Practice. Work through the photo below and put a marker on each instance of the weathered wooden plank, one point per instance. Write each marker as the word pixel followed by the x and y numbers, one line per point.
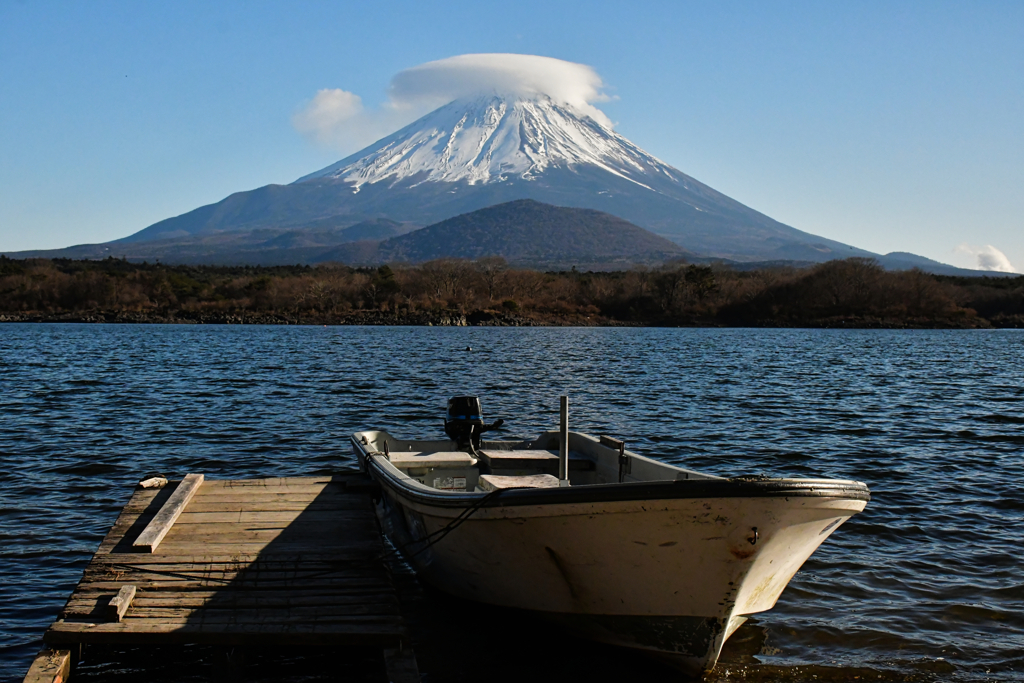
pixel 353 624
pixel 291 482
pixel 50 666
pixel 331 534
pixel 286 576
pixel 235 487
pixel 114 586
pixel 161 524
pixel 197 511
pixel 285 517
pixel 249 620
pixel 341 561
pixel 356 587
pixel 120 603
pixel 235 559
pixel 272 542
pixel 141 605
pixel 215 614
pixel 340 523
pixel 275 544
pixel 278 548
pixel 248 505
pixel 256 598
pixel 336 596
pixel 355 635
pixel 248 498
pixel 264 482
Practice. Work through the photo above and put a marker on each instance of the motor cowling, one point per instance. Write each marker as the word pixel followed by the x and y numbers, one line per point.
pixel 464 422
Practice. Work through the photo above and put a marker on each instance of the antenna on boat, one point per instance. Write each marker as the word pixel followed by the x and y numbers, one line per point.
pixel 563 441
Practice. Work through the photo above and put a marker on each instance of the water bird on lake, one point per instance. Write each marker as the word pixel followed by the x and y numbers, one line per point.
pixel 618 547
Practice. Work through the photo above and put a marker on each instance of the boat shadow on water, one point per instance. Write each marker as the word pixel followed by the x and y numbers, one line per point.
pixel 468 642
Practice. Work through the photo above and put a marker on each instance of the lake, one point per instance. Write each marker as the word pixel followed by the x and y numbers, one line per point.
pixel 926 584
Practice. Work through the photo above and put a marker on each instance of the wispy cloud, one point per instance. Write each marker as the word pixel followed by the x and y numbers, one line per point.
pixel 988 258
pixel 337 118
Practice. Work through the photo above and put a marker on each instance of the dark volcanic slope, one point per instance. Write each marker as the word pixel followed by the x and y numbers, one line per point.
pixel 523 231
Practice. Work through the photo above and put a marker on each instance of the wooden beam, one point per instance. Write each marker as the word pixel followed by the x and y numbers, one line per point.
pixel 120 603
pixel 400 663
pixel 50 666
pixel 151 536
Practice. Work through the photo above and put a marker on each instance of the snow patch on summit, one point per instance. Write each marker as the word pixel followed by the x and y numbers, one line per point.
pixel 493 139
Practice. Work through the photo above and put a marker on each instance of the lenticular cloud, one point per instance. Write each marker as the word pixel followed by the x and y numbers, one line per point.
pixel 440 82
pixel 337 118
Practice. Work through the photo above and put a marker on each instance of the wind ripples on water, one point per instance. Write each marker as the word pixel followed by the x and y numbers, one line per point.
pixel 927 582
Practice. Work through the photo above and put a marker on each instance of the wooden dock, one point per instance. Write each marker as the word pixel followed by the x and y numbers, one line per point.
pixel 282 561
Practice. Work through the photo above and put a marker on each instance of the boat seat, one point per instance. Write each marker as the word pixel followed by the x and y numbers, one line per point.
pixel 432 460
pixel 494 482
pixel 536 460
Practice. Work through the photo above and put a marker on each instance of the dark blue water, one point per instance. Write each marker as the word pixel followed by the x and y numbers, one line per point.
pixel 926 584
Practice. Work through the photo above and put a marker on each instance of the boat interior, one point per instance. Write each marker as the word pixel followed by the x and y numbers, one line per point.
pixel 467 463
pixel 515 464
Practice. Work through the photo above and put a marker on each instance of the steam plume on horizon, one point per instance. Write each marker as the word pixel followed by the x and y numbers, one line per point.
pixel 988 258
pixel 337 118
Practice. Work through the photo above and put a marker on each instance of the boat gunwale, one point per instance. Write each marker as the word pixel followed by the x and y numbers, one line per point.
pixel 628 491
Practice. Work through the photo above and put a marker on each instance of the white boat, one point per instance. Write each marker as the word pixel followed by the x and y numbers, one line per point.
pixel 620 548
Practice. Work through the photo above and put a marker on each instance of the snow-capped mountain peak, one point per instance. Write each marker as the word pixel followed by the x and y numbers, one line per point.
pixel 494 139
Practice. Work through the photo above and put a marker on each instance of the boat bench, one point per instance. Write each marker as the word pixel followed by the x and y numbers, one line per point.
pixel 545 462
pixel 442 470
pixel 495 482
pixel 431 460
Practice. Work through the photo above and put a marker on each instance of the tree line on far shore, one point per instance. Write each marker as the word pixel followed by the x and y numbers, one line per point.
pixel 852 292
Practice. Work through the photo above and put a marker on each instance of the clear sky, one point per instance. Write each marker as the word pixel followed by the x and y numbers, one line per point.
pixel 892 126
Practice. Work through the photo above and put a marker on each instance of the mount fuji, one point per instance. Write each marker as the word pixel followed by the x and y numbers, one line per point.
pixel 470 154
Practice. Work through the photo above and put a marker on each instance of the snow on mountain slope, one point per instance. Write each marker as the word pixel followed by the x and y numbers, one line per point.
pixel 495 139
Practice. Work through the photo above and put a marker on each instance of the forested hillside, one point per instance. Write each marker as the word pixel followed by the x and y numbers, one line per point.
pixel 850 293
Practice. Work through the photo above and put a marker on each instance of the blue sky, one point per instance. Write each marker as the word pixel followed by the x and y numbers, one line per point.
pixel 891 126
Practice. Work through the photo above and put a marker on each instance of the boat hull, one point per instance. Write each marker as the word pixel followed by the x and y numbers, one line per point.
pixel 672 573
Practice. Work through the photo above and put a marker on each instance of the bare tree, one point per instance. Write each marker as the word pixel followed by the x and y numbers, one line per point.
pixel 642 276
pixel 671 285
pixel 445 276
pixel 492 269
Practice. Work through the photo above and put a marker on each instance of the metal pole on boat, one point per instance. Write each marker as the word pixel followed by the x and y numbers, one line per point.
pixel 563 441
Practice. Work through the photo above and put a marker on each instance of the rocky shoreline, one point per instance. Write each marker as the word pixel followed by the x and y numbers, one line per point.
pixel 418 318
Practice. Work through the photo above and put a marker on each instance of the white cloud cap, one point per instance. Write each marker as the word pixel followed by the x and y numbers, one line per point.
pixel 440 82
pixel 988 258
pixel 337 118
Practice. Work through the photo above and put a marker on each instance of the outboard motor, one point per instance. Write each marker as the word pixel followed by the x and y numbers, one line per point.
pixel 465 421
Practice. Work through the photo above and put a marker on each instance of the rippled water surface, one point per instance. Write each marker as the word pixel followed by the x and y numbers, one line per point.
pixel 926 584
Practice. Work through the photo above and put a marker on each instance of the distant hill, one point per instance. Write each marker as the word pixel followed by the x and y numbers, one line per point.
pixel 523 232
pixel 902 260
pixel 260 246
